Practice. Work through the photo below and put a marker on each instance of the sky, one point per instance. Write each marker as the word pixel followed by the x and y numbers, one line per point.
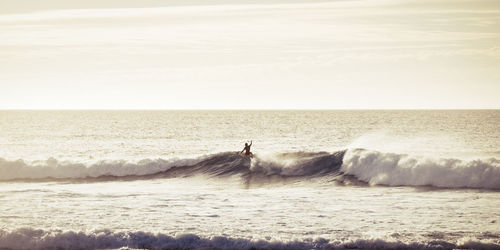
pixel 251 54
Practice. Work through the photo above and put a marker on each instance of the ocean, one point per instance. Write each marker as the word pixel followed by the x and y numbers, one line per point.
pixel 325 179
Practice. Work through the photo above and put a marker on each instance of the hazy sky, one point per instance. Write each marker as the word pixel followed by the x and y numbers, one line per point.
pixel 218 54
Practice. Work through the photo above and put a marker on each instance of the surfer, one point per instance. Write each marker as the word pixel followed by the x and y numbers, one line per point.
pixel 247 149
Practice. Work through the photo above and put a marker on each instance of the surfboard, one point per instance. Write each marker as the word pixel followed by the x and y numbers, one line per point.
pixel 243 155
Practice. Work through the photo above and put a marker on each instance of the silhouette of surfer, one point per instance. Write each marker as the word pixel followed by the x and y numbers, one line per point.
pixel 247 149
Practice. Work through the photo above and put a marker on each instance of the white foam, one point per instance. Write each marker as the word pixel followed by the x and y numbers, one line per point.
pixel 404 170
pixel 53 168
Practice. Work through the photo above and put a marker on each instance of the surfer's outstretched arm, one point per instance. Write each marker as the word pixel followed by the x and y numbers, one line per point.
pixel 250 143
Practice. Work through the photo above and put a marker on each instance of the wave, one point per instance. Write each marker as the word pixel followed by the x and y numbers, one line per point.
pixel 298 164
pixel 353 166
pixel 392 169
pixel 27 238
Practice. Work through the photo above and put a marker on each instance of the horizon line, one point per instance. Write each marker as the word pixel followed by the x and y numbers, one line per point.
pixel 277 109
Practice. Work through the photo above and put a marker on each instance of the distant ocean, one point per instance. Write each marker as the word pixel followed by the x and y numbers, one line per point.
pixel 391 179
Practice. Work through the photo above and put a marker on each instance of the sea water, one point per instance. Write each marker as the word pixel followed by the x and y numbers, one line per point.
pixel 318 179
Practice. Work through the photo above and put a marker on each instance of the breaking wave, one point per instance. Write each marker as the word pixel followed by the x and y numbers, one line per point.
pixel 352 166
pixel 392 169
pixel 28 238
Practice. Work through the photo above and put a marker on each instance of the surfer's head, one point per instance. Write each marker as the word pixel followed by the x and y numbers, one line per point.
pixel 246 144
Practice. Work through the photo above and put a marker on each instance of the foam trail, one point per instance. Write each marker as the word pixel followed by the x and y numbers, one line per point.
pixel 403 170
pixel 28 238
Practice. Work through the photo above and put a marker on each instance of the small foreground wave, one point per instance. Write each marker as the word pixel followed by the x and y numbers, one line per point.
pixel 27 238
pixel 392 169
